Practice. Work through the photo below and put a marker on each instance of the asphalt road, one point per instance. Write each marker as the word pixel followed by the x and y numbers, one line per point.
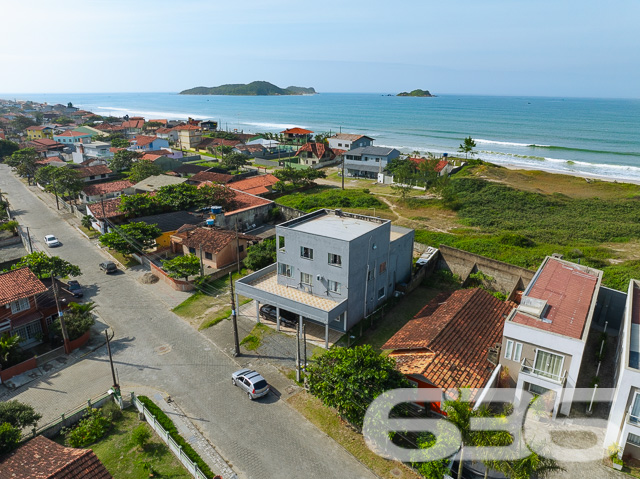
pixel 155 348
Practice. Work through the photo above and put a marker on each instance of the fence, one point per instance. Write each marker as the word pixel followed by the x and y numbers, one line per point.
pixel 164 435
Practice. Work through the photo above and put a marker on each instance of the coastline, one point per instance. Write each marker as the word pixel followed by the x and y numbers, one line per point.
pixel 576 174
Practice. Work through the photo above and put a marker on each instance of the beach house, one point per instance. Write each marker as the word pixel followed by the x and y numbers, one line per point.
pixel 347 141
pixel 368 161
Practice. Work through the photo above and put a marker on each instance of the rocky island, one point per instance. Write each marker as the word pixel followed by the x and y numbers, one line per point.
pixel 256 88
pixel 418 92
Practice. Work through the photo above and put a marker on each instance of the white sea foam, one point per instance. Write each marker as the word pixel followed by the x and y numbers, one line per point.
pixel 272 126
pixel 146 113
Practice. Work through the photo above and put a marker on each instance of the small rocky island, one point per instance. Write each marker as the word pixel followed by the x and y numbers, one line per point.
pixel 256 88
pixel 418 92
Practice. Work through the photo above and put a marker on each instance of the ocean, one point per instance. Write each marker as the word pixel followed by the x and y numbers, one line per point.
pixel 590 137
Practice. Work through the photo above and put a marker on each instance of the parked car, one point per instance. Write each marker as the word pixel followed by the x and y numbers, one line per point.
pixel 251 382
pixel 51 241
pixel 109 267
pixel 74 288
pixel 287 318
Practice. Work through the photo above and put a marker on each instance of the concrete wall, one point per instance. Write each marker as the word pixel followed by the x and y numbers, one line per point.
pixel 290 213
pixel 246 219
pixel 506 277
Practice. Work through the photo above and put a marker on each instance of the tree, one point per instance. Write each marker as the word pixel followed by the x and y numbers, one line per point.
pixel 21 123
pixel 87 221
pixel 224 150
pixel 18 414
pixel 216 195
pixel 7 148
pixel 261 255
pixel 142 170
pixel 460 413
pixel 427 173
pixel 9 438
pixel 182 266
pixel 60 180
pixel 131 238
pixel 432 469
pixel 24 161
pixel 42 265
pixel 467 147
pixel 178 197
pixel 308 175
pixel 235 160
pixel 78 320
pixel 123 159
pixel 9 348
pixel 152 125
pixel 63 120
pixel 349 379
pixel 141 204
pixel 533 465
pixel 120 142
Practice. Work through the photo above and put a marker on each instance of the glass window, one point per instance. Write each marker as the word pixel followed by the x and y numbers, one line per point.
pixel 281 242
pixel 335 259
pixel 192 250
pixel 634 416
pixel 381 293
pixel 208 255
pixel 306 278
pixel 20 305
pixel 548 364
pixel 517 352
pixel 633 439
pixel 370 275
pixel 306 252
pixel 508 350
pixel 334 286
pixel 241 248
pixel 383 267
pixel 285 270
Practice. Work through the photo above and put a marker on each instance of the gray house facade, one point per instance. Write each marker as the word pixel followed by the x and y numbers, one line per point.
pixel 333 268
pixel 367 162
pixel 347 141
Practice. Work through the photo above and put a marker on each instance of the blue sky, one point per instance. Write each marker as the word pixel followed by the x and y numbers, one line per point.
pixel 497 47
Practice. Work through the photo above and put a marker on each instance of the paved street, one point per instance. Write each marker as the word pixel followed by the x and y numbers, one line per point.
pixel 155 348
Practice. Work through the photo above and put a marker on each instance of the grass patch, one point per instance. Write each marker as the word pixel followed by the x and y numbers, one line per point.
pixel 254 339
pixel 225 314
pixel 124 460
pixel 126 261
pixel 330 197
pixel 328 421
pixel 91 233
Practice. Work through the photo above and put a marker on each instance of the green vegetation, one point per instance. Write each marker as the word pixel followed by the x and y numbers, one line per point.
pixel 14 416
pixel 131 238
pixel 78 320
pixel 254 339
pixel 261 255
pixel 327 197
pixel 224 314
pixel 120 455
pixel 90 428
pixel 260 88
pixel 168 425
pixel 417 92
pixel 43 265
pixel 182 266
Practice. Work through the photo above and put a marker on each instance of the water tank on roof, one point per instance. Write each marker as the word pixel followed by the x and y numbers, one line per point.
pixel 444 155
pixel 210 222
pixel 216 210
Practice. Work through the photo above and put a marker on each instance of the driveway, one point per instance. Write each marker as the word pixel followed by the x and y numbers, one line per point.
pixel 155 348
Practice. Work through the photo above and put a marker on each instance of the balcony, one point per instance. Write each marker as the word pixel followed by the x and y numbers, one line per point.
pixel 527 368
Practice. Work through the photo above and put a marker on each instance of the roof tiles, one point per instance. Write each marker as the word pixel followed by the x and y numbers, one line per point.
pixel 19 283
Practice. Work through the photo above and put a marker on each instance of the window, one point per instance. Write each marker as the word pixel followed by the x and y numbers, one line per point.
pixel 306 252
pixel 370 275
pixel 517 352
pixel 241 248
pixel 20 305
pixel 281 242
pixel 285 270
pixel 383 267
pixel 508 350
pixel 334 286
pixel 634 415
pixel 335 259
pixel 306 278
pixel 381 293
pixel 208 255
pixel 192 250
pixel 339 144
pixel 548 364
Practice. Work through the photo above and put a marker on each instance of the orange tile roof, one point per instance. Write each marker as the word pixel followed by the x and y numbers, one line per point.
pixel 143 140
pixel 41 458
pixel 73 133
pixel 569 291
pixel 19 283
pixel 447 342
pixel 244 201
pixel 296 131
pixel 255 184
pixel 133 124
pixel 164 130
pixel 187 127
pixel 107 208
pixel 212 240
pixel 212 176
pixel 93 171
pixel 163 121
pixel 317 149
pixel 103 188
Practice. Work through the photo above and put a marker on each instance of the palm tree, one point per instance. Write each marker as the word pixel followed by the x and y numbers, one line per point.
pixel 534 465
pixel 467 147
pixel 8 346
pixel 460 413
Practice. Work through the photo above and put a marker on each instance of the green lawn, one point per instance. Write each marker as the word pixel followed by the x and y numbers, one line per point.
pixel 124 460
pixel 332 197
pixel 126 261
pixel 91 233
pixel 254 339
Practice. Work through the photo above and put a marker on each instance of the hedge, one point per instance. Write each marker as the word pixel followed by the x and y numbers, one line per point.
pixel 168 425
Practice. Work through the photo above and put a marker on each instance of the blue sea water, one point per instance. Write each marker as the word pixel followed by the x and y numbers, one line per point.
pixel 599 137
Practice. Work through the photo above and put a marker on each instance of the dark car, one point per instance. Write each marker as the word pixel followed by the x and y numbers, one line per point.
pixel 287 318
pixel 75 289
pixel 109 267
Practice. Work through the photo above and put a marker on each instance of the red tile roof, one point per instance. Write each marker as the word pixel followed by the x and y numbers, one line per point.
pixel 163 121
pixel 103 188
pixel 440 166
pixel 296 131
pixel 73 134
pixel 255 185
pixel 245 201
pixel 203 176
pixel 164 130
pixel 317 149
pixel 569 290
pixel 41 458
pixel 133 124
pixel 19 283
pixel 419 160
pixel 212 240
pixel 447 342
pixel 143 140
pixel 107 208
pixel 93 171
pixel 187 127
pixel 338 152
pixel 50 159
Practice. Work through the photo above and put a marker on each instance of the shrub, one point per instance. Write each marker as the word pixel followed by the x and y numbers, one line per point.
pixel 9 226
pixel 112 411
pixel 140 436
pixel 9 437
pixel 91 428
pixel 168 425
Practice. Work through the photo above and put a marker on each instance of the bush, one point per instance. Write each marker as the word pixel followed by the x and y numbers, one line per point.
pixel 9 226
pixel 91 428
pixel 140 436
pixel 332 198
pixel 168 425
pixel 261 255
pixel 9 437
pixel 112 411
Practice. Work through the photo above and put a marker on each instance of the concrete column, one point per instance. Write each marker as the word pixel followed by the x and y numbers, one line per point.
pixel 257 311
pixel 326 336
pixel 277 318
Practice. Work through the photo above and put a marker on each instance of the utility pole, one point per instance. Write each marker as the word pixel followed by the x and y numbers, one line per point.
pixel 234 319
pixel 298 349
pixel 237 246
pixel 63 325
pixel 116 386
pixel 304 344
pixel 201 263
pixel 55 191
pixel 343 170
pixel 29 238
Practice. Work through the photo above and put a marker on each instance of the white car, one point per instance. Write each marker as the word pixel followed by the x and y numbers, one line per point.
pixel 51 241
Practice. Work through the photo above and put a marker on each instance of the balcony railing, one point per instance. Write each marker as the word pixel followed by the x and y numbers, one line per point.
pixel 631 419
pixel 527 367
